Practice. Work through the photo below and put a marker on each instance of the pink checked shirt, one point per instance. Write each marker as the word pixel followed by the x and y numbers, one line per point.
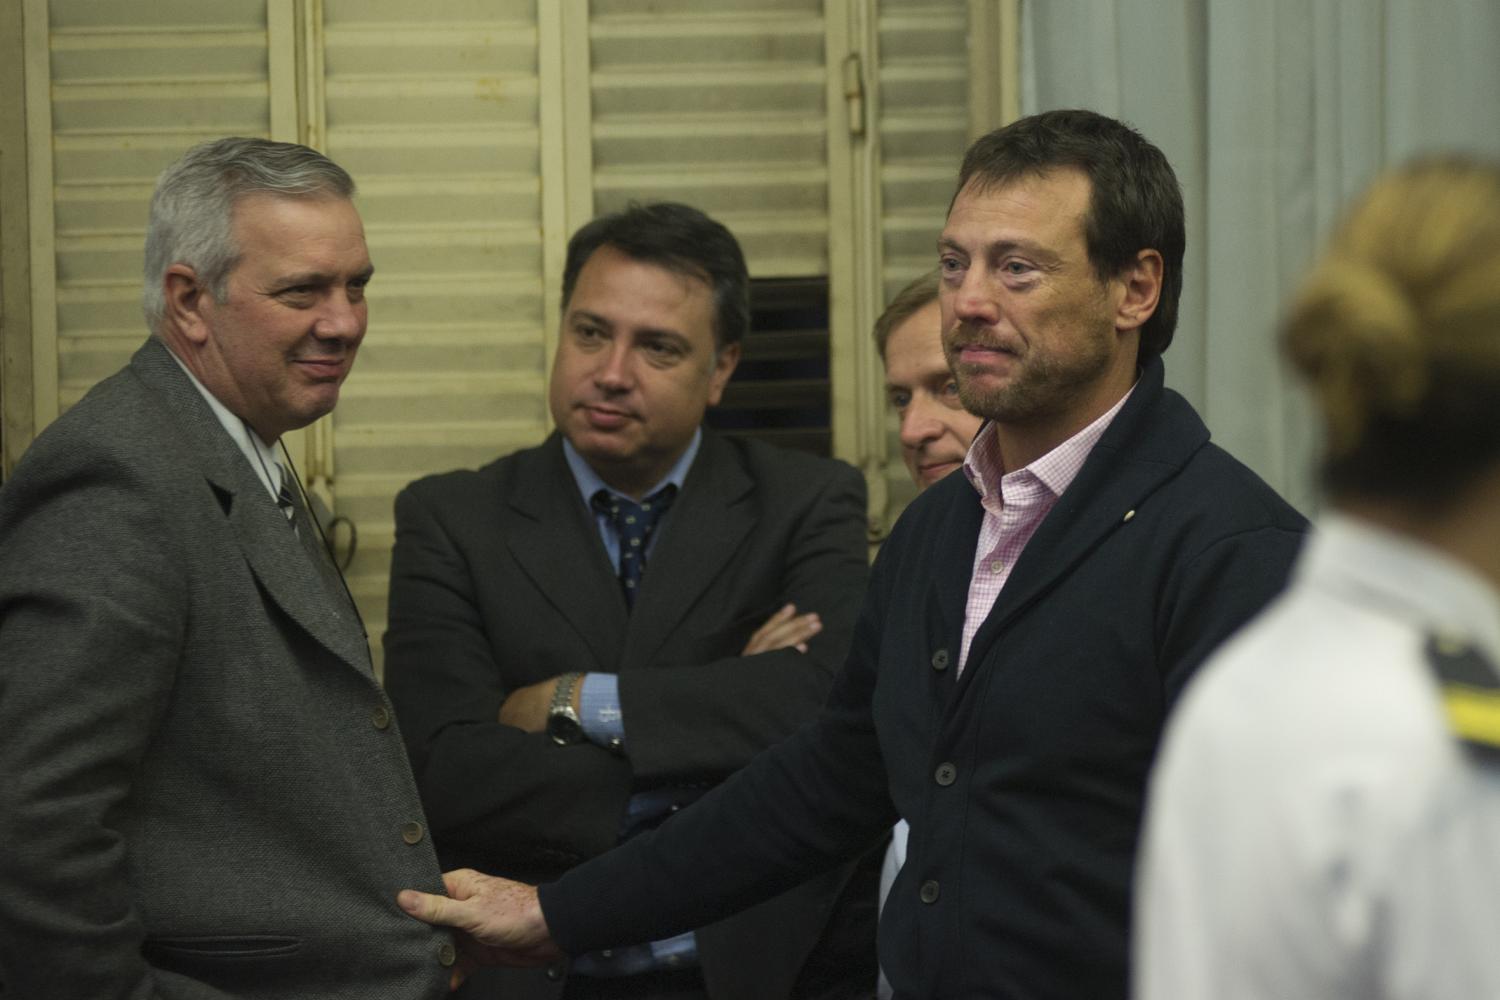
pixel 1014 505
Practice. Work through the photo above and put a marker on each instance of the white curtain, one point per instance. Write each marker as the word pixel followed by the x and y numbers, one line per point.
pixel 1274 114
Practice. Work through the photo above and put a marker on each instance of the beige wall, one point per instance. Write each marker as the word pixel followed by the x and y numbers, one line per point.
pixel 16 425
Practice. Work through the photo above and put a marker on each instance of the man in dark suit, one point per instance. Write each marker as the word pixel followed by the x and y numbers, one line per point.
pixel 1029 623
pixel 586 635
pixel 204 795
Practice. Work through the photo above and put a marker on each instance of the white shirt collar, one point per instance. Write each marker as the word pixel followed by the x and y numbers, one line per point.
pixel 261 456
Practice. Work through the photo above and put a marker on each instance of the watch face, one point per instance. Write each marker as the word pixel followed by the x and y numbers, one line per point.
pixel 564 728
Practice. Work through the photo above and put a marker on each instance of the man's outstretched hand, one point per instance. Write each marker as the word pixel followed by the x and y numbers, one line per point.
pixel 500 922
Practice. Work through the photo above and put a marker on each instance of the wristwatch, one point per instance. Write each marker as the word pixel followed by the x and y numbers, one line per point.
pixel 562 720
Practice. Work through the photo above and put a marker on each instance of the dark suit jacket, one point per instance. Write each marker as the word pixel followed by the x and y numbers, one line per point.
pixel 1024 779
pixel 500 579
pixel 203 795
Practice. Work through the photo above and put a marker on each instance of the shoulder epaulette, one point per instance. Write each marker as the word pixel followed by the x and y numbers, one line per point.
pixel 1469 687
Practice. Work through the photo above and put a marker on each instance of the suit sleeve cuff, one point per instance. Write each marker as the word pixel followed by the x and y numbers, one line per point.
pixel 599 711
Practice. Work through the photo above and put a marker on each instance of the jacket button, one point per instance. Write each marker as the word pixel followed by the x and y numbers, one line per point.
pixel 380 718
pixel 411 832
pixel 940 660
pixel 946 774
pixel 447 954
pixel 554 972
pixel 929 892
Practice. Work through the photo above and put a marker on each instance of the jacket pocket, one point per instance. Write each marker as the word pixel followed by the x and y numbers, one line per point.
pixel 209 956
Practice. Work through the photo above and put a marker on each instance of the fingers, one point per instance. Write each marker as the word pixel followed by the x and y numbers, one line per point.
pixel 784 630
pixel 431 909
pixel 758 640
pixel 462 883
pixel 504 919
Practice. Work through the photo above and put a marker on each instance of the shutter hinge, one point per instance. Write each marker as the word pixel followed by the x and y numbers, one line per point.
pixel 854 93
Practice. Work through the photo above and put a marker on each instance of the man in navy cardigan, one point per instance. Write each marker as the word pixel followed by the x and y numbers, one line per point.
pixel 1027 628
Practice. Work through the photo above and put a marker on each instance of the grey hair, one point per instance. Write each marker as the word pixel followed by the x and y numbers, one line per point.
pixel 193 205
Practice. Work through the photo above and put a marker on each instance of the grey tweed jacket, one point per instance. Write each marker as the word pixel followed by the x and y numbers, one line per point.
pixel 203 793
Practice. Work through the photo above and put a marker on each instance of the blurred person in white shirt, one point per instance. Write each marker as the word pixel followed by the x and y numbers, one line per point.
pixel 1324 818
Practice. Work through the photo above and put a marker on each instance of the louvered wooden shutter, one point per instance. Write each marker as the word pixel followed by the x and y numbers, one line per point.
pixel 134 83
pixel 923 131
pixel 434 109
pixel 720 104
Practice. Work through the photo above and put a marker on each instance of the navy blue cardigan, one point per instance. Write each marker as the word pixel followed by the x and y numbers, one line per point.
pixel 1023 780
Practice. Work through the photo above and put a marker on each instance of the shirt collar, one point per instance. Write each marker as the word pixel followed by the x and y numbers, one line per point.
pixel 1055 470
pixel 589 483
pixel 261 456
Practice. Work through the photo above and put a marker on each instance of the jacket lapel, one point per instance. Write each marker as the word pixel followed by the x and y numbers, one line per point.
pixel 950 585
pixel 286 569
pixel 1147 443
pixel 557 545
pixel 270 547
pixel 707 525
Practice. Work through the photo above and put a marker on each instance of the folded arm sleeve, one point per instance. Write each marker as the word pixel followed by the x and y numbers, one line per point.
pixel 800 808
pixel 712 718
pixel 490 790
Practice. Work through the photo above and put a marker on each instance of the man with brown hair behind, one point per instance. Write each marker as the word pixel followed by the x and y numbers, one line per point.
pixel 936 430
pixel 1325 817
pixel 1027 626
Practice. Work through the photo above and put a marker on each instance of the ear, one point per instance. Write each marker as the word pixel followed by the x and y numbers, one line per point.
pixel 184 295
pixel 1141 284
pixel 724 364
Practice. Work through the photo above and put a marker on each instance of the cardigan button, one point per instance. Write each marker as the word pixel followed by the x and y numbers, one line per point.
pixel 940 660
pixel 946 774
pixel 447 954
pixel 380 718
pixel 411 832
pixel 929 891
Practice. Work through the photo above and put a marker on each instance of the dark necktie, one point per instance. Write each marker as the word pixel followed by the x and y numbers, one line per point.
pixel 284 496
pixel 633 523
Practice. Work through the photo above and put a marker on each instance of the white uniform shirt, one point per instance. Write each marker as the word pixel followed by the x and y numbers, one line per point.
pixel 1314 830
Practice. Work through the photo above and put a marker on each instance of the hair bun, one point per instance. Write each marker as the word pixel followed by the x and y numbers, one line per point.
pixel 1355 336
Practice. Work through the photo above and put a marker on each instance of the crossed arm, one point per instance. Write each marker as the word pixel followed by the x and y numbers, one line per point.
pixel 474 652
pixel 526 707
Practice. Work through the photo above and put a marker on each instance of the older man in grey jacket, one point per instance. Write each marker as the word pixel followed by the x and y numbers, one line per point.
pixel 204 794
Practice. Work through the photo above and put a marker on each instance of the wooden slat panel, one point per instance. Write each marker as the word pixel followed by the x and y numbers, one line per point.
pixel 924 121
pixel 720 105
pixel 923 126
pixel 134 84
pixel 434 108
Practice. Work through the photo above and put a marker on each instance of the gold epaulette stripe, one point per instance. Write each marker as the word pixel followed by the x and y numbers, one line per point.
pixel 1473 713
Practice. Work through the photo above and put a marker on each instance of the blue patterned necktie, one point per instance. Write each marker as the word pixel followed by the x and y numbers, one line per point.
pixel 633 523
